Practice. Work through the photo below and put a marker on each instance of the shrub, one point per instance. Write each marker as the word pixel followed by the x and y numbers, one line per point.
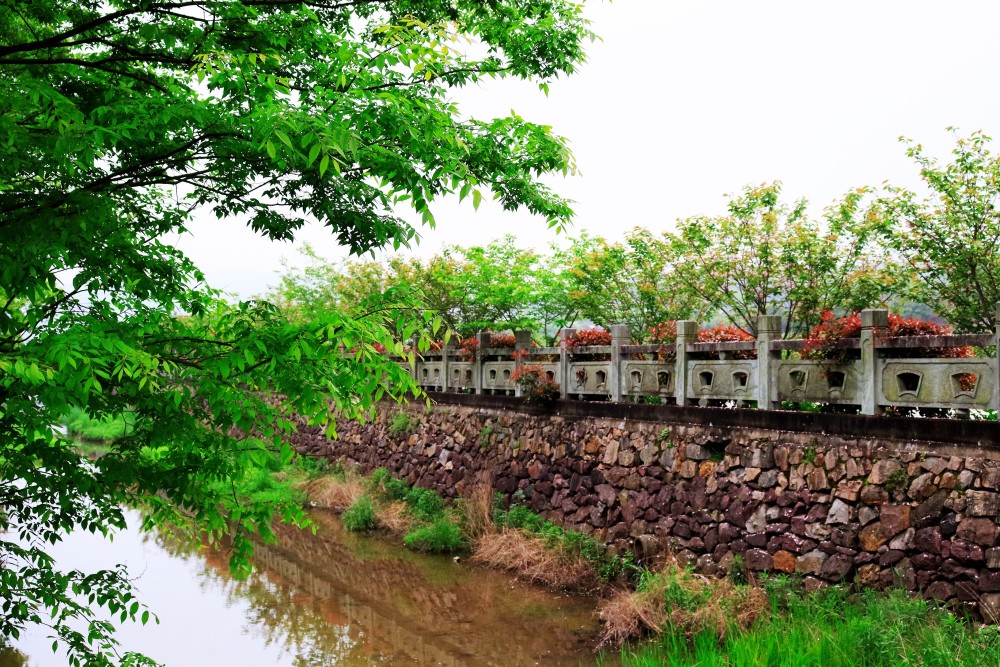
pixel 503 340
pixel 442 535
pixel 725 333
pixel 822 340
pixel 468 347
pixel 587 338
pixel 535 384
pixel 360 517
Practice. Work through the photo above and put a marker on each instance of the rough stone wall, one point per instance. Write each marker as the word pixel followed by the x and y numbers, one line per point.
pixel 919 515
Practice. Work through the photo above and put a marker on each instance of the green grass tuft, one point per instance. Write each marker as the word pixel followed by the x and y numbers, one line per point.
pixel 442 535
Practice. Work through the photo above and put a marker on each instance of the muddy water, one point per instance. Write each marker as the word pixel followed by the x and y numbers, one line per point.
pixel 329 599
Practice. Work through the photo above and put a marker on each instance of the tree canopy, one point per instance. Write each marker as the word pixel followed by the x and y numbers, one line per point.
pixel 120 120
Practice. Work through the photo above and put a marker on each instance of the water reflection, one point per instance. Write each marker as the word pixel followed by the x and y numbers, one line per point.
pixel 337 599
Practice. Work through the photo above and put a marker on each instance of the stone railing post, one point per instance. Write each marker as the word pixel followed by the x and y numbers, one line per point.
pixel 768 329
pixel 619 336
pixel 995 403
pixel 564 376
pixel 873 323
pixel 522 341
pixel 687 332
pixel 446 351
pixel 483 339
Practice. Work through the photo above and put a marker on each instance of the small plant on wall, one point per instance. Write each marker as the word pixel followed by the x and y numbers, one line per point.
pixel 536 385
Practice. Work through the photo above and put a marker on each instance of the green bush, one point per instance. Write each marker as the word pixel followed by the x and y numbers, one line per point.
pixel 360 517
pixel 442 535
pixel 425 505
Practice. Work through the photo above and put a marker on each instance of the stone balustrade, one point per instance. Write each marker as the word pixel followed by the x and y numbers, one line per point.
pixel 883 373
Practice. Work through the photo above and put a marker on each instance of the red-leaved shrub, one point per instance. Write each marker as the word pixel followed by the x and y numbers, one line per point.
pixel 588 338
pixel 822 340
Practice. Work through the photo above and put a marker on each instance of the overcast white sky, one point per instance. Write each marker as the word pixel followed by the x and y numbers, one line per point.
pixel 686 100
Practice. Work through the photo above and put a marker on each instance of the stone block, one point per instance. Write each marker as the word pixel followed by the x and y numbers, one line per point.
pixel 982 503
pixel 758 560
pixel 840 512
pixel 783 561
pixel 979 530
pixel 883 470
pixel 836 567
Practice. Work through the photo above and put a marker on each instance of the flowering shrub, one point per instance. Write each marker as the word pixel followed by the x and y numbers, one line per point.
pixel 822 340
pixel 535 384
pixel 587 338
pixel 502 340
pixel 467 348
pixel 724 333
pixel 665 334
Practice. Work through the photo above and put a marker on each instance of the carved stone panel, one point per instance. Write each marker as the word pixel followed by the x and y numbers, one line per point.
pixel 819 381
pixel 589 378
pixel 937 383
pixel 734 380
pixel 649 378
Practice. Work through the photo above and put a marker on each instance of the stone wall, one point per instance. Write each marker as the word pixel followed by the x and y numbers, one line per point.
pixel 878 512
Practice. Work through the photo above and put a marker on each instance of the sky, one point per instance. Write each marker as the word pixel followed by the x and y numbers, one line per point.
pixel 684 101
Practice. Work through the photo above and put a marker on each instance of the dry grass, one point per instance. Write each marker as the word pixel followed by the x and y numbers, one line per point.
pixel 477 508
pixel 336 493
pixel 685 601
pixel 394 517
pixel 528 557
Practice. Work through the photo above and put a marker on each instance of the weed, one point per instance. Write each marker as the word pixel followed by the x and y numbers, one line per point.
pixel 809 456
pixel 897 481
pixel 484 436
pixel 400 424
pixel 360 517
pixel 665 434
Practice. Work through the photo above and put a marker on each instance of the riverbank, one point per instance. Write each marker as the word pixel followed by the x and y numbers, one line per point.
pixel 660 612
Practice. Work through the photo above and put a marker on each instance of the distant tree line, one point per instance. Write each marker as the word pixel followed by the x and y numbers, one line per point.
pixel 936 252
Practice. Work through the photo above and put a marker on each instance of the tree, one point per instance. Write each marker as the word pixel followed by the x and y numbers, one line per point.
pixel 120 119
pixel 629 283
pixel 768 258
pixel 951 238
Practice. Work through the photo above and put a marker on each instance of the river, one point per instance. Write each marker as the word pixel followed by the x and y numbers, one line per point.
pixel 334 598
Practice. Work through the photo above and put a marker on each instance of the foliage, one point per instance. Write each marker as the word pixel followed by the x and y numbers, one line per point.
pixel 630 283
pixel 535 384
pixel 766 257
pixel 587 338
pixel 360 517
pixel 950 237
pixel 127 117
pixel 723 333
pixel 822 340
pixel 441 535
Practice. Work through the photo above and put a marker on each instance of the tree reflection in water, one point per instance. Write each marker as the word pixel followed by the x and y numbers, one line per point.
pixel 336 599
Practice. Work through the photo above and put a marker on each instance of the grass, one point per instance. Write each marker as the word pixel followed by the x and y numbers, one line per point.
pixel 575 545
pixel 835 627
pixel 360 517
